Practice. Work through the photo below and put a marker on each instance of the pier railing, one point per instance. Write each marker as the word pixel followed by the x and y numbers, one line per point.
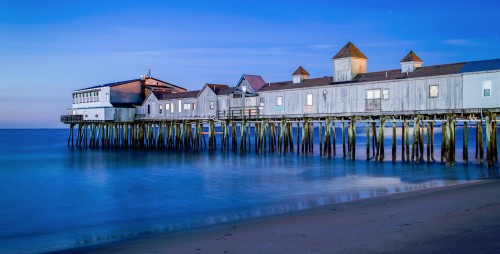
pixel 239 113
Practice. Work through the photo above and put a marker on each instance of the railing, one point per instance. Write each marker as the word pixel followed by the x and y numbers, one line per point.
pixel 373 104
pixel 239 113
pixel 71 118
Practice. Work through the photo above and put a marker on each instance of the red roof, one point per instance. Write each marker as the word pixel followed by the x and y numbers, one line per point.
pixel 300 71
pixel 255 81
pixel 349 50
pixel 411 57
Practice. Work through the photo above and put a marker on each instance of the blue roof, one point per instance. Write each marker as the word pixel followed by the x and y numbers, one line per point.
pixel 485 65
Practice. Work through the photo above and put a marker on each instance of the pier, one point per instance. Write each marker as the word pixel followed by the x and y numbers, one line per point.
pixel 297 136
pixel 286 117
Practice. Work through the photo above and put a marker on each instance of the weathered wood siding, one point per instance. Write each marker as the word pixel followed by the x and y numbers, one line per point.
pixel 473 90
pixel 203 102
pixel 404 96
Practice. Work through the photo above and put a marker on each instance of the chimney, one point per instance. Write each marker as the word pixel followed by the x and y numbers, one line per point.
pixel 410 62
pixel 348 63
pixel 299 75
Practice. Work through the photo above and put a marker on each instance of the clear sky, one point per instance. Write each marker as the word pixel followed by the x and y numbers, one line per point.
pixel 49 48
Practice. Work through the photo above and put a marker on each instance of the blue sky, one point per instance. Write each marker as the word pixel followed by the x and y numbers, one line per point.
pixel 49 48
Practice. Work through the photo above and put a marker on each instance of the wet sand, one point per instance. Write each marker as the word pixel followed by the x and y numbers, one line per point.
pixel 454 219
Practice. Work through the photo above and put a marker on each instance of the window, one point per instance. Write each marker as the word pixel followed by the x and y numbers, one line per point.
pixel 486 88
pixel 433 91
pixel 385 94
pixel 167 106
pixel 211 105
pixel 171 108
pixel 373 99
pixel 161 109
pixel 244 89
pixel 107 96
pixel 149 109
pixel 309 99
pixel 236 95
pixel 180 106
pixel 373 94
pixel 187 106
pixel 262 101
pixel 193 106
pixel 280 101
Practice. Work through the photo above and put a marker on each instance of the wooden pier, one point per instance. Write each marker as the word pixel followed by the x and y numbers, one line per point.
pixel 276 135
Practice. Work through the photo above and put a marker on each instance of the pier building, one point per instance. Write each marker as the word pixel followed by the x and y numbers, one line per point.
pixel 412 97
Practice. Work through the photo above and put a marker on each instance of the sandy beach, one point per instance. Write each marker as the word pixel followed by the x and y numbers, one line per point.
pixel 454 219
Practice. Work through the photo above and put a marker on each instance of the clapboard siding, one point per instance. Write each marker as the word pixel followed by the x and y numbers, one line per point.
pixel 404 96
pixel 203 101
pixel 473 88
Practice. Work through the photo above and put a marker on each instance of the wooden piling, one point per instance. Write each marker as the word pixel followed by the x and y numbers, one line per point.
pixel 394 140
pixel 465 149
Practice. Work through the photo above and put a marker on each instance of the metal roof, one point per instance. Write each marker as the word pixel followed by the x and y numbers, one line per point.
pixel 485 65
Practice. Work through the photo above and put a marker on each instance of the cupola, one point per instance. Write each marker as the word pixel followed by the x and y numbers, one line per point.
pixel 348 63
pixel 299 75
pixel 410 62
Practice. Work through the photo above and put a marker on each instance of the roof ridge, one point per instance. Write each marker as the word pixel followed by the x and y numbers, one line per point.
pixel 349 50
pixel 411 57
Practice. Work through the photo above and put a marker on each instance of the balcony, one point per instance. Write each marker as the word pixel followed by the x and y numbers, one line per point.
pixel 373 104
pixel 239 113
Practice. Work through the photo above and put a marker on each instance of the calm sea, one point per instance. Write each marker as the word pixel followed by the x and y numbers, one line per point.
pixel 54 197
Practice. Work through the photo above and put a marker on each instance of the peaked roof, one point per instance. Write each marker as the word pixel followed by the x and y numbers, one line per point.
pixel 349 50
pixel 217 88
pixel 411 57
pixel 255 81
pixel 300 71
pixel 427 71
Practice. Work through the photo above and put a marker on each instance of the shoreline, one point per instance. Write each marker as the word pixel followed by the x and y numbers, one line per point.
pixel 382 224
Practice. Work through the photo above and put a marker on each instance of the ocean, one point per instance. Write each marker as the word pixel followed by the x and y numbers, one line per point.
pixel 55 197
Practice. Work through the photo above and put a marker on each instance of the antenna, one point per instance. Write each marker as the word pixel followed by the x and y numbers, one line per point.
pixel 385 74
pixel 149 71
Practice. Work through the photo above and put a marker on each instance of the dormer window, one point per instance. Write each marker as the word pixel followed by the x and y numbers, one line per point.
pixel 299 75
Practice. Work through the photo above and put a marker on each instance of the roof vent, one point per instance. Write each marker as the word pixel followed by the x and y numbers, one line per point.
pixel 299 75
pixel 410 62
pixel 348 63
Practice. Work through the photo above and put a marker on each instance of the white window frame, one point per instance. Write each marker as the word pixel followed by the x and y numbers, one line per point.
pixel 262 101
pixel 309 99
pixel 107 96
pixel 279 101
pixel 211 105
pixel 180 106
pixel 167 106
pixel 431 91
pixel 171 107
pixel 486 85
pixel 372 94
pixel 187 106
pixel 160 111
pixel 385 94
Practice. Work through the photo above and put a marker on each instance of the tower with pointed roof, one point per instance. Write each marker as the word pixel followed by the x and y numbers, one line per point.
pixel 348 63
pixel 299 75
pixel 410 62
